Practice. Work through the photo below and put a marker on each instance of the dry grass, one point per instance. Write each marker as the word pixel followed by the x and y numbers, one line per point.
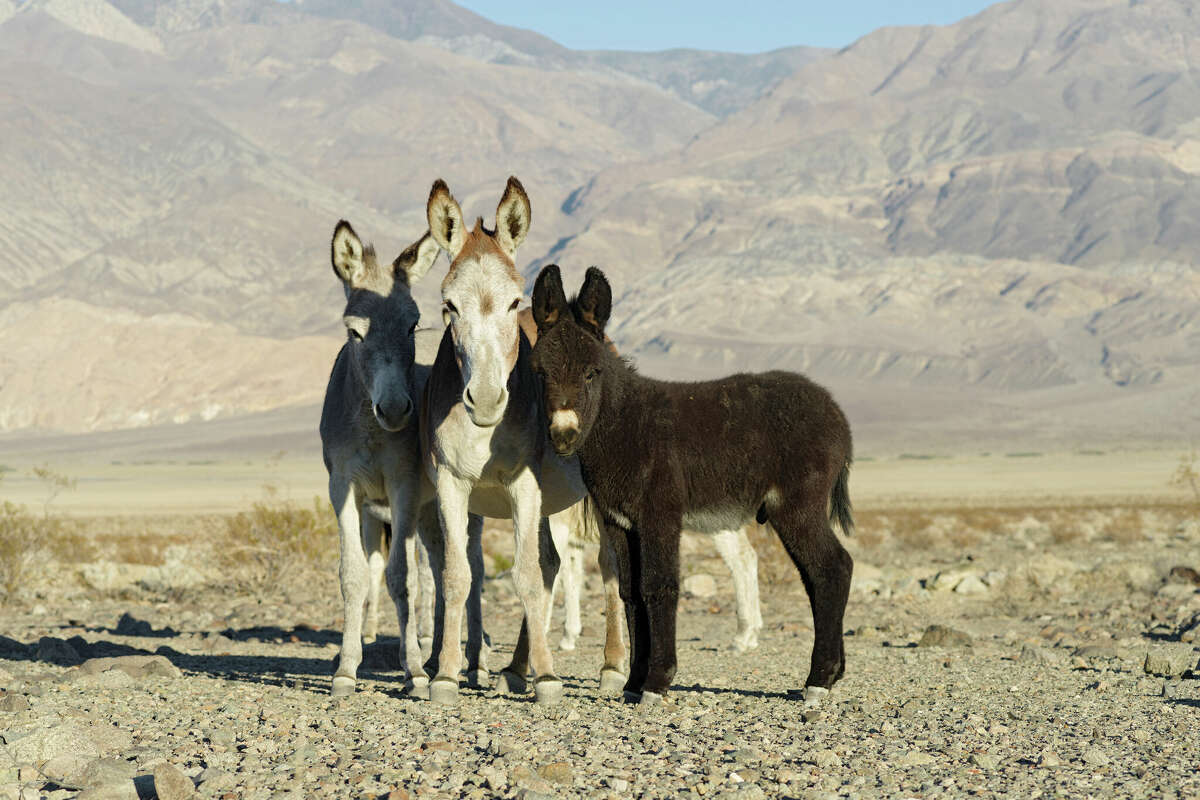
pixel 21 537
pixel 277 543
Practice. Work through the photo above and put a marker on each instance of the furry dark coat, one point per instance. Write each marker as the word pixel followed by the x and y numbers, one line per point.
pixel 658 456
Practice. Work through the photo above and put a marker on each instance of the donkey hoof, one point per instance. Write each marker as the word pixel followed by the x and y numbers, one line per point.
pixel 443 691
pixel 566 643
pixel 813 695
pixel 343 686
pixel 547 691
pixel 368 638
pixel 510 683
pixel 479 678
pixel 744 644
pixel 631 696
pixel 650 699
pixel 420 687
pixel 611 682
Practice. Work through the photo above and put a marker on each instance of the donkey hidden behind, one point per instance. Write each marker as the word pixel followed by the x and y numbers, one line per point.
pixel 659 456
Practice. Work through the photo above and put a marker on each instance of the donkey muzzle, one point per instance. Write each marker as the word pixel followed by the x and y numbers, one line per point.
pixel 393 417
pixel 564 431
pixel 485 415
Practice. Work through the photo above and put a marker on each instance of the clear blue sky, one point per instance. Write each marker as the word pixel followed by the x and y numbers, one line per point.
pixel 746 27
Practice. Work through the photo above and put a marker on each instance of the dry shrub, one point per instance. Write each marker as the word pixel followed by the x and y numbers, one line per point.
pixel 28 541
pixel 1124 526
pixel 276 543
pixel 913 530
pixel 1067 532
pixel 21 539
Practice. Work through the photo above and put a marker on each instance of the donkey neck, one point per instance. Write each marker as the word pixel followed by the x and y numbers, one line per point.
pixel 619 417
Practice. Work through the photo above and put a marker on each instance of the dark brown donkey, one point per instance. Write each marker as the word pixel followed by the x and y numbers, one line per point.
pixel 659 456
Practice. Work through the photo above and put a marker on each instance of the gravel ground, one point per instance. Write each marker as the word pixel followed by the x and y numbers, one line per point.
pixel 1043 672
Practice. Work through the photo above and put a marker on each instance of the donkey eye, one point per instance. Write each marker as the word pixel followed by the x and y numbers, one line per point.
pixel 591 374
pixel 354 334
pixel 450 307
pixel 514 305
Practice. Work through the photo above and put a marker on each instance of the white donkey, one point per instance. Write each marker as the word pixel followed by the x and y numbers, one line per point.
pixel 483 436
pixel 371 449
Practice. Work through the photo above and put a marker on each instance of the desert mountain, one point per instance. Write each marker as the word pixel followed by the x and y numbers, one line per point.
pixel 980 232
pixel 1001 213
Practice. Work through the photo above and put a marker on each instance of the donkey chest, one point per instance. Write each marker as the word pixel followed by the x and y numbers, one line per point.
pixel 481 459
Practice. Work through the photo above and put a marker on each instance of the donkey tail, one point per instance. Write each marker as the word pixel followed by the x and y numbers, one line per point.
pixel 584 519
pixel 839 501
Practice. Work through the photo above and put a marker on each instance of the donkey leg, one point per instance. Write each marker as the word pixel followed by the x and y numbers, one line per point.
pixel 660 597
pixel 628 557
pixel 374 533
pixel 403 581
pixel 426 598
pixel 739 556
pixel 535 564
pixel 453 495
pixel 570 575
pixel 612 675
pixel 353 576
pixel 477 641
pixel 429 526
pixel 825 568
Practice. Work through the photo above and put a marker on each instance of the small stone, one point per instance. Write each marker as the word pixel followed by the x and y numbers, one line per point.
pixel 124 790
pixel 994 578
pixel 171 784
pixel 1189 630
pixel 1184 574
pixel 700 585
pixel 1049 759
pixel 556 772
pixel 13 703
pixel 1038 655
pixel 222 736
pixel 942 636
pixel 1095 757
pixel 619 785
pixel 214 779
pixel 109 679
pixel 827 759
pixel 971 585
pixel 915 758
pixel 133 666
pixel 42 745
pixel 985 760
pixel 493 778
pixel 1169 661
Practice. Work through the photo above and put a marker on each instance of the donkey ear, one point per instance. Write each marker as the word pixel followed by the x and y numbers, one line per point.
pixel 346 253
pixel 594 304
pixel 411 265
pixel 512 217
pixel 445 219
pixel 549 300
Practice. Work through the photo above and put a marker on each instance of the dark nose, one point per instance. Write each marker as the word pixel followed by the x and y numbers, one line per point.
pixel 470 399
pixel 395 416
pixel 564 440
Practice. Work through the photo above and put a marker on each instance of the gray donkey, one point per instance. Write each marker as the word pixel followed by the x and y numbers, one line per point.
pixel 371 449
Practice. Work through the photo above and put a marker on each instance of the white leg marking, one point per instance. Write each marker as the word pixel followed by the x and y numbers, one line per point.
pixel 742 560
pixel 353 576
